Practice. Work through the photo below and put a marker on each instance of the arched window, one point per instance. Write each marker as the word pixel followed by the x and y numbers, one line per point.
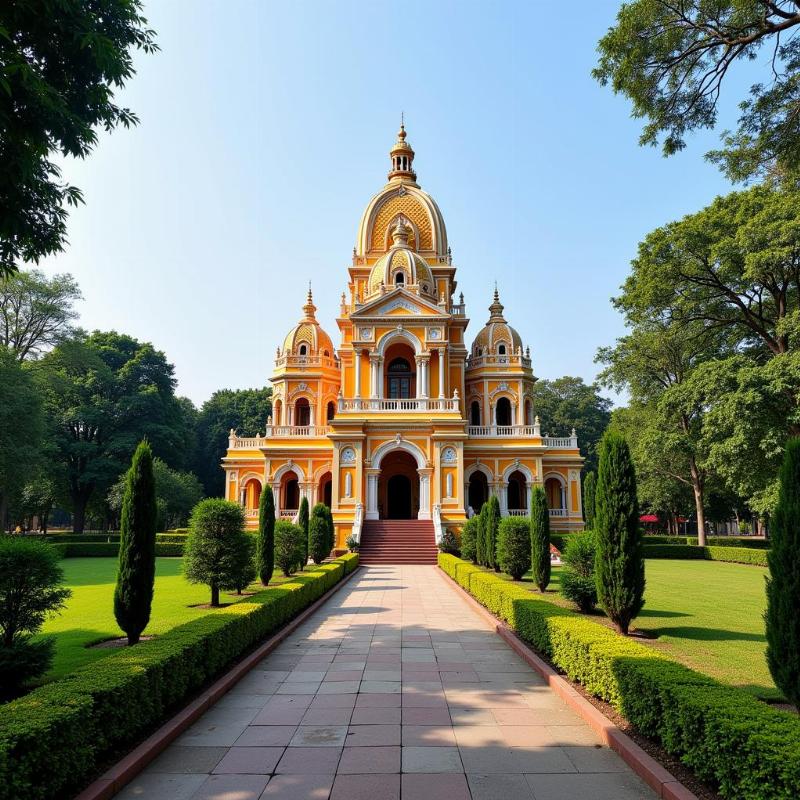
pixel 330 411
pixel 399 279
pixel 302 412
pixel 303 350
pixel 475 413
pixel 517 492
pixel 501 349
pixel 556 496
pixel 399 378
pixel 503 411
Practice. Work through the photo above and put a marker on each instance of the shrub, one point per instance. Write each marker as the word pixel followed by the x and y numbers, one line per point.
pixel 480 538
pixel 353 544
pixel 331 529
pixel 63 733
pixel 288 544
pixel 619 564
pixel 730 739
pixel 319 536
pixel 491 525
pixel 30 591
pixel 469 539
pixel 133 595
pixel 514 546
pixel 265 540
pixel 577 577
pixel 783 584
pixel 539 537
pixel 244 569
pixel 448 543
pixel 589 490
pixel 302 521
pixel 213 549
pixel 737 555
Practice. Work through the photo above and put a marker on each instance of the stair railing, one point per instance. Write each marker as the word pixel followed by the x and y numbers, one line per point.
pixel 358 521
pixel 438 532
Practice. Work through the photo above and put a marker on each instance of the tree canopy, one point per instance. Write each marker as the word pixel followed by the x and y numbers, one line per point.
pixel 60 63
pixel 671 58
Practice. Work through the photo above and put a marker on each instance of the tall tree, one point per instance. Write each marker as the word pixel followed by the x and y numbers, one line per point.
pixel 302 521
pixel 103 394
pixel 671 60
pixel 589 487
pixel 619 560
pixel 36 312
pixel 783 584
pixel 60 62
pixel 133 596
pixel 566 403
pixel 491 526
pixel 540 538
pixel 244 410
pixel 265 543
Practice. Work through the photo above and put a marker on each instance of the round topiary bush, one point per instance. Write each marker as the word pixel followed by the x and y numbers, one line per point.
pixel 577 577
pixel 288 546
pixel 514 546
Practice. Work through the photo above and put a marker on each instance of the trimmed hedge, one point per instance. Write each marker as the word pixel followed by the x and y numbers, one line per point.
pixel 736 555
pixel 729 738
pixel 560 540
pixel 54 738
pixel 110 549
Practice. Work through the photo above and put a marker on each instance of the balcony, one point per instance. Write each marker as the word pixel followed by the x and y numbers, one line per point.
pixel 498 361
pixel 523 512
pixel 276 432
pixel 520 432
pixel 382 405
pixel 306 361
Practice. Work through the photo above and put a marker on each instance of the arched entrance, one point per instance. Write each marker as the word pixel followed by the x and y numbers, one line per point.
pixel 290 492
pixel 252 494
pixel 478 492
pixel 517 492
pixel 325 489
pixel 503 412
pixel 398 486
pixel 554 489
pixel 399 371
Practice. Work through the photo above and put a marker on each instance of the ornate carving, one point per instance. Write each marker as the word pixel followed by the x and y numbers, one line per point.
pixel 347 456
pixel 413 210
pixel 449 455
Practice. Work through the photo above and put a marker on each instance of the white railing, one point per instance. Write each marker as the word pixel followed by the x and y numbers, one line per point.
pixel 383 406
pixel 559 512
pixel 306 361
pixel 438 531
pixel 498 361
pixel 560 441
pixel 502 431
pixel 296 430
pixel 245 442
pixel 517 512
pixel 358 522
pixel 289 513
pixel 457 309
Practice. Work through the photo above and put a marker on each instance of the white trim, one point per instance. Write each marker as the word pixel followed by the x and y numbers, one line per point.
pixel 293 467
pixel 473 468
pixel 398 333
pixel 401 444
pixel 521 468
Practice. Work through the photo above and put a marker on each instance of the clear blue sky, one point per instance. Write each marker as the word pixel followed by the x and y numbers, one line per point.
pixel 264 131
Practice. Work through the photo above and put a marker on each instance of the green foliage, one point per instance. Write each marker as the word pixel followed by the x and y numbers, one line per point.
pixel 353 545
pixel 163 549
pixel 619 563
pixel 469 539
pixel 265 541
pixel 783 584
pixel 302 521
pixel 319 534
pixel 133 595
pixel 514 546
pixel 59 67
pixel 589 487
pixel 30 590
pixel 491 523
pixel 244 563
pixel 731 740
pixel 670 60
pixel 331 529
pixel 243 410
pixel 480 536
pixel 449 542
pixel 577 577
pixel 58 736
pixel 735 555
pixel 214 546
pixel 567 403
pixel 539 537
pixel 288 546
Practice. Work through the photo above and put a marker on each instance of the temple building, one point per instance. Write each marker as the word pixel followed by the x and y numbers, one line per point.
pixel 405 419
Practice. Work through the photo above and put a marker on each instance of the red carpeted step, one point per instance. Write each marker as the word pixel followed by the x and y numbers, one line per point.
pixel 398 542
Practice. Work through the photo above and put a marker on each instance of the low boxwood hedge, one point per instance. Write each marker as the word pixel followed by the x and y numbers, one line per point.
pixel 730 739
pixel 110 549
pixel 53 739
pixel 715 541
pixel 737 555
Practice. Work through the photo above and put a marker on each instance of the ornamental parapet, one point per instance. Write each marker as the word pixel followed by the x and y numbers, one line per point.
pixel 382 405
pixel 510 360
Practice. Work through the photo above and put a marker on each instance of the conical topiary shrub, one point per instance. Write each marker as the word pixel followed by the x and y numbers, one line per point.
pixel 492 523
pixel 589 490
pixel 302 521
pixel 265 541
pixel 540 538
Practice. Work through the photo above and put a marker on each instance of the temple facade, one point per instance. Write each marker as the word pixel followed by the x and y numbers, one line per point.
pixel 405 419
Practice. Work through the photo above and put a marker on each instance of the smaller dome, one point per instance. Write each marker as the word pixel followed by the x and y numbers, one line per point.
pixel 496 333
pixel 401 266
pixel 307 337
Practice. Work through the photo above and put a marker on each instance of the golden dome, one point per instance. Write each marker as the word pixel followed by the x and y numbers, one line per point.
pixel 495 333
pixel 308 333
pixel 401 266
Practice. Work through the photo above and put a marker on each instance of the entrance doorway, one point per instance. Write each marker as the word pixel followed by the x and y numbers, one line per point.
pixel 478 491
pixel 398 486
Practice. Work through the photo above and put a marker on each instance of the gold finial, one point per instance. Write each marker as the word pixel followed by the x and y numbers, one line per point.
pixel 309 308
pixel 496 308
pixel 401 233
pixel 402 154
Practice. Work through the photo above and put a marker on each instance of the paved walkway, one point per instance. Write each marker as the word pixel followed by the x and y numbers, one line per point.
pixel 395 687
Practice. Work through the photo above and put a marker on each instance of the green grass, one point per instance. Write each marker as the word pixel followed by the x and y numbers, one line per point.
pixel 709 615
pixel 89 615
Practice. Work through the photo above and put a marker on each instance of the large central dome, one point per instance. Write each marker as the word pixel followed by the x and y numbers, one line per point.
pixel 402 197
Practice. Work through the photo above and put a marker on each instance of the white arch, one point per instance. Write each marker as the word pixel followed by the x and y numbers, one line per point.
pixel 557 475
pixel 293 467
pixel 398 333
pixel 321 471
pixel 473 468
pixel 249 476
pixel 399 444
pixel 518 468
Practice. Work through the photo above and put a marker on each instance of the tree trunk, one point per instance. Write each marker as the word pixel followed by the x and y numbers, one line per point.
pixel 79 514
pixel 214 595
pixel 697 487
pixel 133 638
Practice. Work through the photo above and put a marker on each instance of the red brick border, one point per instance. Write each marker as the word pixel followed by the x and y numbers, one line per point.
pixel 659 779
pixel 125 770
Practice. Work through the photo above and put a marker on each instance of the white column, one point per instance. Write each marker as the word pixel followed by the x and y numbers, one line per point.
pixel 503 499
pixel 380 376
pixel 442 368
pixel 528 488
pixel 276 491
pixel 424 493
pixel 373 377
pixel 357 357
pixel 372 494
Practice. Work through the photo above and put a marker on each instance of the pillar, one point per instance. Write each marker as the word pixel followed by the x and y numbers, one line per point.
pixel 424 492
pixel 442 368
pixel 357 359
pixel 373 474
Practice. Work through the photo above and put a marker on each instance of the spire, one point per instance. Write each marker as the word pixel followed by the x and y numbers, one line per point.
pixel 402 156
pixel 309 309
pixel 496 308
pixel 401 233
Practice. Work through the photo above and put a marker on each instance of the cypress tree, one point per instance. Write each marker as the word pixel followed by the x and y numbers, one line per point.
pixel 265 542
pixel 480 545
pixel 619 560
pixel 783 583
pixel 133 595
pixel 302 521
pixel 318 534
pixel 490 538
pixel 540 537
pixel 331 529
pixel 589 489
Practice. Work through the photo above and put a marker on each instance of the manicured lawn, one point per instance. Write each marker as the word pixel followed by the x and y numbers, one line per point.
pixel 708 615
pixel 89 615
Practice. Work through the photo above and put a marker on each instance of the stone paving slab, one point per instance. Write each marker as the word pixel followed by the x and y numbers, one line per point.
pixel 394 688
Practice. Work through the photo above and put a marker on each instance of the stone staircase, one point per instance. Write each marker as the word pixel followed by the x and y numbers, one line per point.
pixel 397 541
